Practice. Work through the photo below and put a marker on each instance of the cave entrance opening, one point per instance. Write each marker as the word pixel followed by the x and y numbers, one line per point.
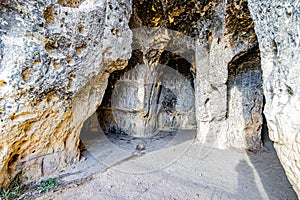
pixel 144 108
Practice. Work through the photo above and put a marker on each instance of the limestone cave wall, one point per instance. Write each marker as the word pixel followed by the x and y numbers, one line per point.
pixel 228 114
pixel 142 99
pixel 277 29
pixel 245 100
pixel 57 58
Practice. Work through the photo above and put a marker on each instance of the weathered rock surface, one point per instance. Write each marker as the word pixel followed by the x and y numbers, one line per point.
pixel 225 56
pixel 277 28
pixel 228 114
pixel 245 100
pixel 56 57
pixel 155 91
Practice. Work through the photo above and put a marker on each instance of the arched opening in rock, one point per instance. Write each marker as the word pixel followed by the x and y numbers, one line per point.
pixel 246 100
pixel 145 108
pixel 152 100
pixel 142 99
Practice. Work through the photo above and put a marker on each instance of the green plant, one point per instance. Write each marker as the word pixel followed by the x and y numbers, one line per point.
pixel 14 190
pixel 6 194
pixel 47 185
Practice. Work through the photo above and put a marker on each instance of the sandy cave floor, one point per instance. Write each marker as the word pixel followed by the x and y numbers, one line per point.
pixel 121 167
pixel 169 165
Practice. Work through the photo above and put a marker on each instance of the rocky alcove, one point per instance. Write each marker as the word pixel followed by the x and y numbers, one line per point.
pixel 138 104
pixel 138 67
pixel 206 76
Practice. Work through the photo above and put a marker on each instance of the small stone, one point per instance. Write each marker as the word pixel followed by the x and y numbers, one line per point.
pixel 83 158
pixel 143 152
pixel 140 147
pixel 136 153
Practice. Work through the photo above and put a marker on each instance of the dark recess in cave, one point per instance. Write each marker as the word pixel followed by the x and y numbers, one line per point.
pixel 165 96
pixel 267 142
pixel 245 73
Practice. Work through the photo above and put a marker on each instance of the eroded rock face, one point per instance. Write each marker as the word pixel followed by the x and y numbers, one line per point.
pixel 245 100
pixel 229 96
pixel 225 57
pixel 144 98
pixel 277 28
pixel 56 57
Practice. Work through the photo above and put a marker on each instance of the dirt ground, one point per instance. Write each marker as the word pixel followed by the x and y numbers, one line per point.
pixel 169 165
pixel 184 170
